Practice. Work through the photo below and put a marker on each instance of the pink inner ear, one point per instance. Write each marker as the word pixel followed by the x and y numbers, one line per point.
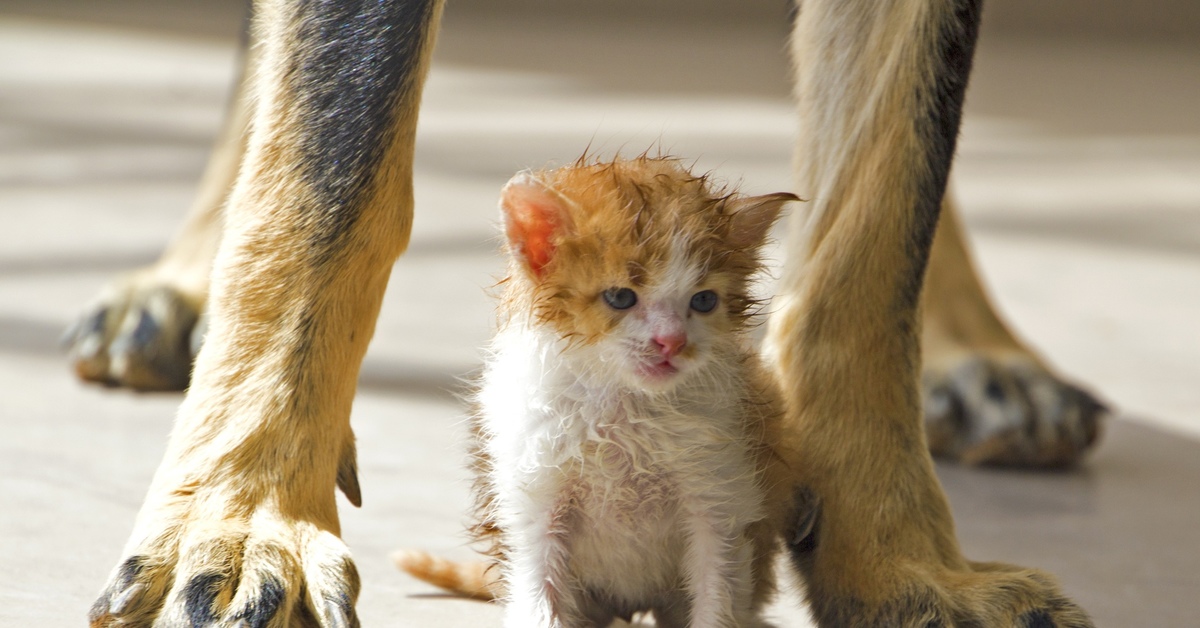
pixel 532 216
pixel 532 237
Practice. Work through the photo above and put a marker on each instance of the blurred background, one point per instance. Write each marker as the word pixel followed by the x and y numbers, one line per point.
pixel 1078 172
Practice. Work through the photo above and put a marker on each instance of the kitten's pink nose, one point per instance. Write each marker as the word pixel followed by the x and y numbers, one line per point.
pixel 669 345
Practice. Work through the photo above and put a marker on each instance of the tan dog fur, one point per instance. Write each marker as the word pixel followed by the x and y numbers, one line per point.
pixel 245 491
pixel 846 342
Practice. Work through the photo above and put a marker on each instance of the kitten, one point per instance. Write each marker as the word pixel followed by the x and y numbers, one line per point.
pixel 628 441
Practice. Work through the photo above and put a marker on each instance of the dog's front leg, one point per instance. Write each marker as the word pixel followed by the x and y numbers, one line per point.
pixel 241 522
pixel 880 85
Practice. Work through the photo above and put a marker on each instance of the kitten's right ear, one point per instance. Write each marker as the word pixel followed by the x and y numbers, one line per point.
pixel 753 217
pixel 532 214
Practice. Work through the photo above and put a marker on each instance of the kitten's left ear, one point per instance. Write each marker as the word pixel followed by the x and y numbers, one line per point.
pixel 753 216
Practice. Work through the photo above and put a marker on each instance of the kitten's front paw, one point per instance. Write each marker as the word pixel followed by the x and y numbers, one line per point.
pixel 1008 411
pixel 139 333
pixel 250 567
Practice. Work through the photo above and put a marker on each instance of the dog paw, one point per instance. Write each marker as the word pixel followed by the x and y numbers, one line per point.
pixel 139 334
pixel 996 594
pixel 988 594
pixel 1009 412
pixel 255 572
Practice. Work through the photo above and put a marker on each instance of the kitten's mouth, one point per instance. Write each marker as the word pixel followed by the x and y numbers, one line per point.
pixel 658 371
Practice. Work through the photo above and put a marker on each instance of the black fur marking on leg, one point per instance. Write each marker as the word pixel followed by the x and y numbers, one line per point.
pixel 199 597
pixel 357 59
pixel 939 115
pixel 261 609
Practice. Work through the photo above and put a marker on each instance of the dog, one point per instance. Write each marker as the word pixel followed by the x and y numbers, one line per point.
pixel 240 523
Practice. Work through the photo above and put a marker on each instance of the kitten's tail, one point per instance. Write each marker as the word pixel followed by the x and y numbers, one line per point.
pixel 477 579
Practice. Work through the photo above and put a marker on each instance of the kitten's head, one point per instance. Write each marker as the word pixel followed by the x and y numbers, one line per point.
pixel 640 265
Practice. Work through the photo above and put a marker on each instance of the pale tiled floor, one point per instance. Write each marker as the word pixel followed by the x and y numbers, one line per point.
pixel 1080 178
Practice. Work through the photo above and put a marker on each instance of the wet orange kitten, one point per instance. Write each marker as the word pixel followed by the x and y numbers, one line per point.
pixel 628 437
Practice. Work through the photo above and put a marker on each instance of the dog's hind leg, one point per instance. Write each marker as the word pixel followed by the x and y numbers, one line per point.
pixel 879 88
pixel 241 523
pixel 144 327
pixel 988 398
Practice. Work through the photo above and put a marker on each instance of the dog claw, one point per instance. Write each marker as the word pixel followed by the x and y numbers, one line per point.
pixel 801 534
pixel 126 600
pixel 347 475
pixel 336 615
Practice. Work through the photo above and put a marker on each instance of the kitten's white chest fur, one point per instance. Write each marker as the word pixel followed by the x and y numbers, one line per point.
pixel 611 491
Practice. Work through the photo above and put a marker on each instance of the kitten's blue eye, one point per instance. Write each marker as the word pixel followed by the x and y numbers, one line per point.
pixel 620 298
pixel 704 301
